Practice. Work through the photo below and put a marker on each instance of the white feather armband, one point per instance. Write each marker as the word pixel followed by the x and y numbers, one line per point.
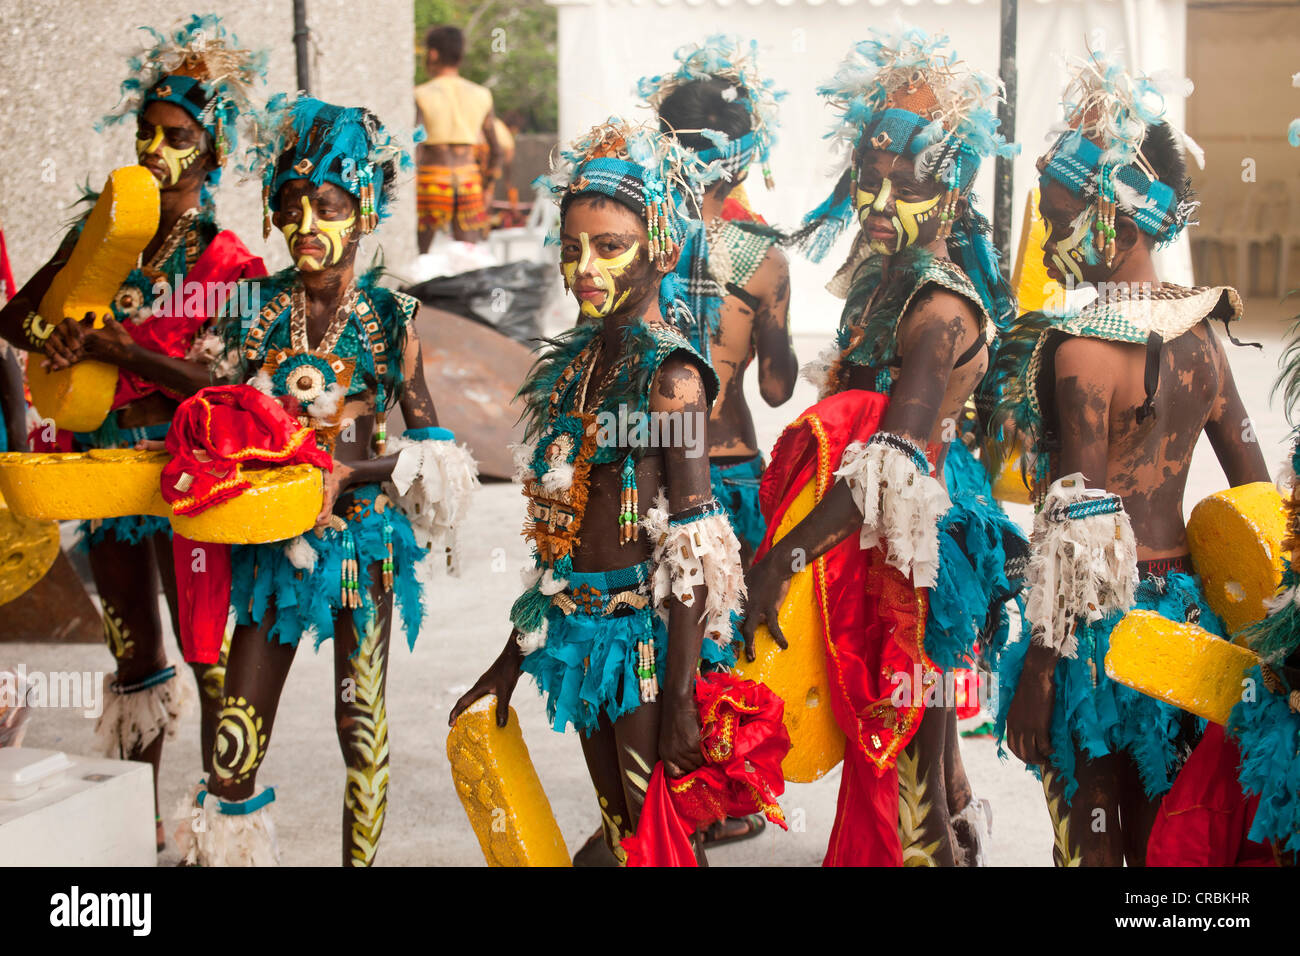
pixel 1083 564
pixel 432 483
pixel 701 550
pixel 901 503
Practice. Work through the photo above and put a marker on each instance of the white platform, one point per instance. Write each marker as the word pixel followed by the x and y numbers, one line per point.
pixel 101 815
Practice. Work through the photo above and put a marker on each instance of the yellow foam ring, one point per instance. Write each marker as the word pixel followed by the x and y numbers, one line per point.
pixel 1180 664
pixel 1009 483
pixel 28 548
pixel 280 503
pixel 112 483
pixel 499 789
pixel 1034 288
pixel 798 675
pixel 102 483
pixel 1235 538
pixel 123 221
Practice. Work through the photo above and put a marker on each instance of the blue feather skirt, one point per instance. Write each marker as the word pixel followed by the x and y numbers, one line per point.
pixel 305 601
pixel 588 664
pixel 1267 732
pixel 1098 716
pixel 982 559
pixel 736 488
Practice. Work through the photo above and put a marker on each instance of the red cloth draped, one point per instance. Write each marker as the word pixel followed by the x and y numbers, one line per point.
pixel 744 740
pixel 1205 817
pixel 874 622
pixel 215 434
pixel 171 329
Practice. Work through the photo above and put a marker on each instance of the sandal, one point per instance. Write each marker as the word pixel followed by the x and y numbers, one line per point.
pixel 735 829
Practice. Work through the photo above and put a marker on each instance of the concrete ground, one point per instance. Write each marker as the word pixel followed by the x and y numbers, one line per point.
pixel 426 825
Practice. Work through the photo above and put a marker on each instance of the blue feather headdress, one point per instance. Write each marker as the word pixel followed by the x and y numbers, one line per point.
pixel 308 139
pixel 721 57
pixel 904 93
pixel 201 68
pixel 1098 154
pixel 659 179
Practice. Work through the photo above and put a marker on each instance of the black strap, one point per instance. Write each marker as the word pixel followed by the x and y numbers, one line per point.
pixel 748 298
pixel 1151 377
pixel 976 347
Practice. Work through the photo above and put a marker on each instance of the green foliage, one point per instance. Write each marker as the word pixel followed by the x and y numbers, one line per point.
pixel 510 47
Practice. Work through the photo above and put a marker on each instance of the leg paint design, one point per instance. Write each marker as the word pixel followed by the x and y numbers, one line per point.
pixel 240 744
pixel 365 795
pixel 117 634
pixel 914 808
pixel 1063 852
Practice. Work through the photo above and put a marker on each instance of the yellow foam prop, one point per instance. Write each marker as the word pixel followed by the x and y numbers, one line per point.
pixel 1009 484
pixel 27 551
pixel 1180 664
pixel 798 675
pixel 113 483
pixel 499 789
pixel 1235 538
pixel 1034 288
pixel 123 221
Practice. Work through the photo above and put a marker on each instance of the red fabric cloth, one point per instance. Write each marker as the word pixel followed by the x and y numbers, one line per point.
pixel 214 435
pixel 174 323
pixel 744 740
pixel 874 628
pixel 662 838
pixel 1205 817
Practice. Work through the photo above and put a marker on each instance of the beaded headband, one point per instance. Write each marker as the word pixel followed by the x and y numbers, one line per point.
pixel 320 142
pixel 201 68
pixel 726 58
pixel 1098 156
pixel 904 93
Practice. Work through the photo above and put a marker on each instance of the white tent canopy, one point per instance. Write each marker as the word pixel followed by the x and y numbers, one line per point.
pixel 606 45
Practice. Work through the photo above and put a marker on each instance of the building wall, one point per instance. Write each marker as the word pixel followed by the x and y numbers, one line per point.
pixel 61 62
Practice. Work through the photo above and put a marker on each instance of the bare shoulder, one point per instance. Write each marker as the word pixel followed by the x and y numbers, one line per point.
pixel 1088 359
pixel 678 385
pixel 938 313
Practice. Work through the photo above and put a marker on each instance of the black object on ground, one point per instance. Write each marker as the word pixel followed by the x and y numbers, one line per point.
pixel 508 298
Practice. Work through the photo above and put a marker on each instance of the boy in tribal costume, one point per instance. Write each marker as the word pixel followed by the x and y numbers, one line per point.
pixel 636 580
pixel 1236 801
pixel 337 350
pixel 909 595
pixel 186 94
pixel 717 104
pixel 1109 401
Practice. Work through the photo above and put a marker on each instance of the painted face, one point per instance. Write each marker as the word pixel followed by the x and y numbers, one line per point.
pixel 893 208
pixel 168 143
pixel 1069 253
pixel 319 224
pixel 602 258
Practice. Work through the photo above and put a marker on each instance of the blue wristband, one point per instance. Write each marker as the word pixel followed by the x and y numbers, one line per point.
pixel 433 433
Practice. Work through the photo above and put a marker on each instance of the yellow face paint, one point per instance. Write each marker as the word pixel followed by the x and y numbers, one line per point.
pixel 175 160
pixel 334 233
pixel 906 220
pixel 1077 250
pixel 607 270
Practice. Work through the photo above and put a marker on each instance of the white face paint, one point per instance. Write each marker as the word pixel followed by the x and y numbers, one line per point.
pixel 1077 249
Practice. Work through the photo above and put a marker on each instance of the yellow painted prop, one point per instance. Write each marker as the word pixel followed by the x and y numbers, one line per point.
pixel 27 551
pixel 113 483
pixel 798 675
pixel 1235 538
pixel 1034 288
pixel 1180 664
pixel 499 789
pixel 120 226
pixel 1009 484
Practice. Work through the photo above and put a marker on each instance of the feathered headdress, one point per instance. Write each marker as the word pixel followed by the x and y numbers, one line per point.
pixel 721 57
pixel 905 94
pixel 201 68
pixel 658 178
pixel 308 139
pixel 1098 155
